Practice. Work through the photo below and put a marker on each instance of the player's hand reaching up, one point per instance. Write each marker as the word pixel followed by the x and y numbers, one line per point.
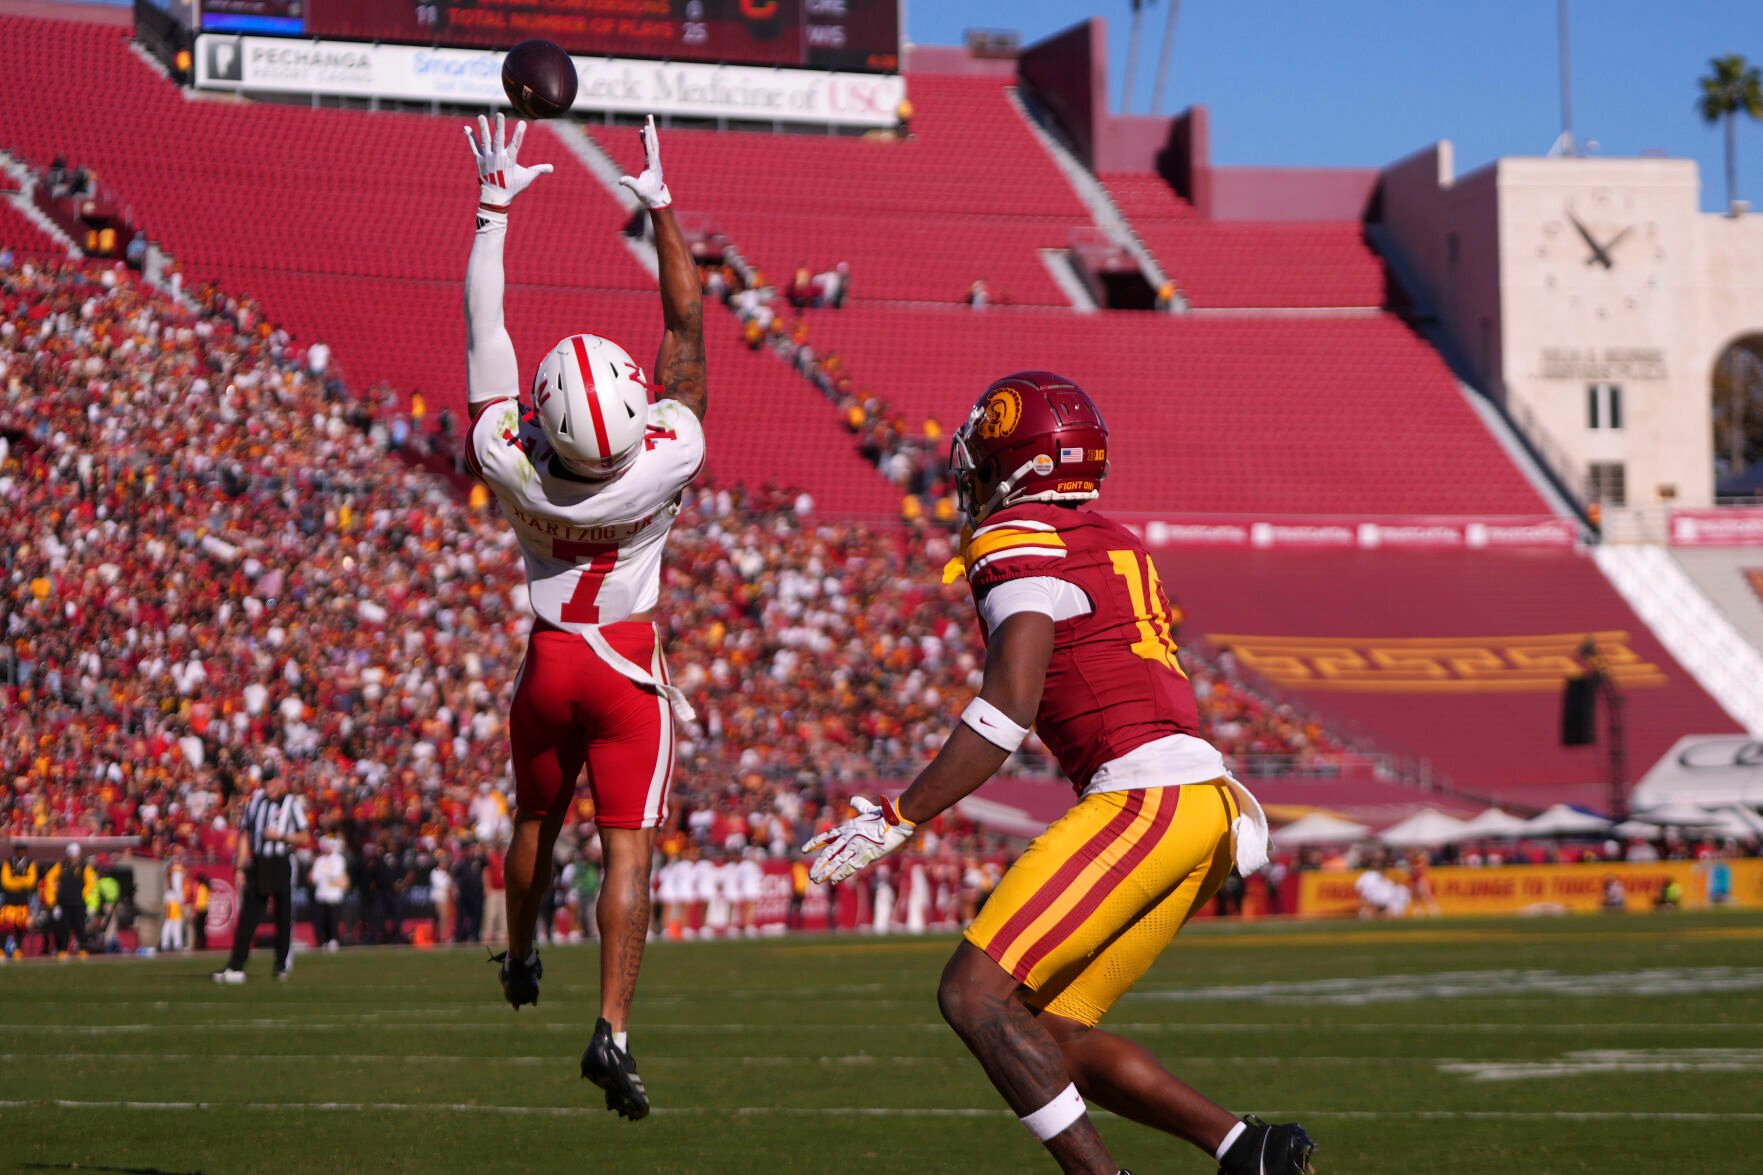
pixel 500 175
pixel 649 187
pixel 876 831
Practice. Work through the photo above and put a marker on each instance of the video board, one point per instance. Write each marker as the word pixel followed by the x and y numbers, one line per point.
pixel 860 35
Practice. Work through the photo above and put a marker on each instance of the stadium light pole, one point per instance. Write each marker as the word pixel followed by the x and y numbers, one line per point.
pixel 1565 145
pixel 1132 56
pixel 1163 56
pixel 1617 730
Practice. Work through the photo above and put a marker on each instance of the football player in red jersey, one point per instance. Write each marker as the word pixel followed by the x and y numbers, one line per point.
pixel 1079 645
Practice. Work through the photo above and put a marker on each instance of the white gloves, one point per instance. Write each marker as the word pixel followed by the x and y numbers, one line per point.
pixel 500 176
pixel 649 187
pixel 868 836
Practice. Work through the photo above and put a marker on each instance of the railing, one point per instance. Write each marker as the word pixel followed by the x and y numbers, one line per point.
pixel 1567 470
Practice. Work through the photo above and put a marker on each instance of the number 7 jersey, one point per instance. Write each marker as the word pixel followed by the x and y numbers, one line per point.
pixel 592 549
pixel 1114 682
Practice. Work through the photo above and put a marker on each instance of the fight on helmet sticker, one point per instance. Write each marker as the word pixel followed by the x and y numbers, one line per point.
pixel 1071 456
pixel 1043 464
pixel 1003 409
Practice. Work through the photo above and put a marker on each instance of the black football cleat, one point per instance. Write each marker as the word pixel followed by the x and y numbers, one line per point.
pixel 520 981
pixel 614 1070
pixel 1282 1149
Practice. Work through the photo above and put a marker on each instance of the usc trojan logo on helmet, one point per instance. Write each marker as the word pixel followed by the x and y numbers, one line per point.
pixel 1003 411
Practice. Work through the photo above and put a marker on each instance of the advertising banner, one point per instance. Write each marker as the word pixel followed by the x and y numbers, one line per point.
pixel 1728 526
pixel 1521 889
pixel 1322 531
pixel 473 77
pixel 828 34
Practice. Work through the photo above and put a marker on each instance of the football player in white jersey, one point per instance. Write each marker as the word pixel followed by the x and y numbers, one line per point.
pixel 589 474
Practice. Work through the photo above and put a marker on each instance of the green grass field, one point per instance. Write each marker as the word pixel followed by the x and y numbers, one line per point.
pixel 1609 1045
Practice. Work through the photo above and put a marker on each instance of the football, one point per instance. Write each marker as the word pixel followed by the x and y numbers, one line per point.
pixel 539 79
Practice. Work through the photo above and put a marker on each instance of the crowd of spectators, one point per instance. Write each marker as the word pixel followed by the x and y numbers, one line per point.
pixel 913 458
pixel 222 566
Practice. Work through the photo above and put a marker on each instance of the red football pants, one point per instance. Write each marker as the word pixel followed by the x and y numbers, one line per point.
pixel 572 709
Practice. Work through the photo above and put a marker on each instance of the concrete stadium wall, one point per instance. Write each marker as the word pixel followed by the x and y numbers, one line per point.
pixel 1539 315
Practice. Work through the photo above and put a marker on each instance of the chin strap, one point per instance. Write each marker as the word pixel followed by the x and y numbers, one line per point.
pixel 1001 492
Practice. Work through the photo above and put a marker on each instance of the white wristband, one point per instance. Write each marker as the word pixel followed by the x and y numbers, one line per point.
pixel 1054 1118
pixel 993 725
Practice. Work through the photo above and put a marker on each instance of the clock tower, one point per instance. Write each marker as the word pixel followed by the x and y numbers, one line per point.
pixel 1590 297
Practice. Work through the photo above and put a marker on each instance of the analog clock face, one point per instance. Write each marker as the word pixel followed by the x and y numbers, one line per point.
pixel 1605 255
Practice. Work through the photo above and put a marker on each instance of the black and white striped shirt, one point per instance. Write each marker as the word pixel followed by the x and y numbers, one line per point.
pixel 284 817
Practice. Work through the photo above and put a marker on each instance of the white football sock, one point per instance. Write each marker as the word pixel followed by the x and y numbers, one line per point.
pixel 1236 1132
pixel 622 1040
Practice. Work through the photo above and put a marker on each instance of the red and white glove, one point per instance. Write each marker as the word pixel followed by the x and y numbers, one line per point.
pixel 649 187
pixel 872 834
pixel 501 177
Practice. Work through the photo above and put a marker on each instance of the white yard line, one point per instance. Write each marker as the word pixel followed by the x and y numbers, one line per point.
pixel 696 1059
pixel 852 1111
pixel 725 1029
pixel 1490 984
pixel 1590 1061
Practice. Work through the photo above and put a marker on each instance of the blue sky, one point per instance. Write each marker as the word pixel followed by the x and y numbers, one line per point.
pixel 1362 83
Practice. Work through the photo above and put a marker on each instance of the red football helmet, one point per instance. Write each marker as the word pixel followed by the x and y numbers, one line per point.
pixel 1034 437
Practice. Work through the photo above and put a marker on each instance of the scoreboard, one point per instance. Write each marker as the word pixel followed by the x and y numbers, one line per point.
pixel 846 35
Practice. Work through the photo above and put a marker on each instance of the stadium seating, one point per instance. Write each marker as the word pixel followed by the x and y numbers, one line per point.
pixel 821 647
pixel 1234 415
pixel 348 227
pixel 413 334
pixel 1472 708
pixel 23 236
pixel 1249 264
pixel 916 219
pixel 352 231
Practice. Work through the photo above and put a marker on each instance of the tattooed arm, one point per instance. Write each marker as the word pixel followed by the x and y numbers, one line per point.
pixel 679 368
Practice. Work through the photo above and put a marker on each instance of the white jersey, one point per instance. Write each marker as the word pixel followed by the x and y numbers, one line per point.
pixel 592 550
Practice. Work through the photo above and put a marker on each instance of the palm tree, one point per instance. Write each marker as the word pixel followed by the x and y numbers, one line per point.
pixel 1734 86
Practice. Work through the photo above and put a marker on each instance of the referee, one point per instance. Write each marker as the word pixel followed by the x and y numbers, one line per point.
pixel 274 827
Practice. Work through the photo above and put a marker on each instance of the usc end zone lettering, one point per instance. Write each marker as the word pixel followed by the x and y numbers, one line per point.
pixel 1495 664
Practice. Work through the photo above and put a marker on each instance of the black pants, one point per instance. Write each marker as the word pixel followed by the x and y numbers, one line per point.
pixel 327 922
pixel 199 927
pixel 256 904
pixel 465 924
pixel 70 928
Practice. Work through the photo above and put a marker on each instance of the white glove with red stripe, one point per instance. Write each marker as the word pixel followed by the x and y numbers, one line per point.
pixel 872 834
pixel 649 187
pixel 500 175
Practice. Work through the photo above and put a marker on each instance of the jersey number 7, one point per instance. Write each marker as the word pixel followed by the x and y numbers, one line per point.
pixel 1150 607
pixel 581 607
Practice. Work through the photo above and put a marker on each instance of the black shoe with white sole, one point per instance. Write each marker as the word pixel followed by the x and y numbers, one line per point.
pixel 615 1071
pixel 1282 1149
pixel 520 980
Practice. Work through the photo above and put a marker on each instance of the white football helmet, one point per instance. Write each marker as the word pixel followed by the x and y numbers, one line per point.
pixel 593 401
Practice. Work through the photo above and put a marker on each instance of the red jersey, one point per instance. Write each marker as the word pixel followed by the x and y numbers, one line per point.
pixel 1114 683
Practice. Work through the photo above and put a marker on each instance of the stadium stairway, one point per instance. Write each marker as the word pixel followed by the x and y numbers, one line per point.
pixel 24 228
pixel 1688 623
pixel 1732 578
